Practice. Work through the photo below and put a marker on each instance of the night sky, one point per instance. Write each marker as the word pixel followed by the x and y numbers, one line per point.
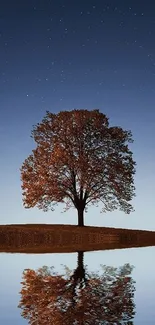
pixel 61 55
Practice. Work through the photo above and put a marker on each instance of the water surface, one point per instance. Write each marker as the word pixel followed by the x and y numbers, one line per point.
pixel 115 296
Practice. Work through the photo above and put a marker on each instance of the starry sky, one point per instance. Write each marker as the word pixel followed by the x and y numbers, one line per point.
pixel 61 55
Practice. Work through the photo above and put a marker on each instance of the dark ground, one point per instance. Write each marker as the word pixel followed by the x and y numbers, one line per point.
pixel 44 238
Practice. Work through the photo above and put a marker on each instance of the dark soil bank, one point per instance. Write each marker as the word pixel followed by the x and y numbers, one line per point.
pixel 43 238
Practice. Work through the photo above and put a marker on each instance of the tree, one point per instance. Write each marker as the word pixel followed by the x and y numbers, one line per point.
pixel 79 160
pixel 79 297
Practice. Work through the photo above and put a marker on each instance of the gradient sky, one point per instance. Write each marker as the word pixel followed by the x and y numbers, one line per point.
pixel 61 55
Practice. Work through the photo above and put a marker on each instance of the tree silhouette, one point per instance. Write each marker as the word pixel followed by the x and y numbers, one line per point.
pixel 78 297
pixel 79 160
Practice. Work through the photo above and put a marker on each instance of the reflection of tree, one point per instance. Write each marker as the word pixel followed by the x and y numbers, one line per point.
pixel 78 298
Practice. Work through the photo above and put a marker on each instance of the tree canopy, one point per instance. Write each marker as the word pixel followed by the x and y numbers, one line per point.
pixel 79 160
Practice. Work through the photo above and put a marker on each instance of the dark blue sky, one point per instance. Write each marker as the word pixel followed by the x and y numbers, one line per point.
pixel 61 55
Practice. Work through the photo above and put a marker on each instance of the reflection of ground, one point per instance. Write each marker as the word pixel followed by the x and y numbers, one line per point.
pixel 78 297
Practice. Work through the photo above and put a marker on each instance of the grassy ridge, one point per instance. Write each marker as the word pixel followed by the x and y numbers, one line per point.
pixel 44 238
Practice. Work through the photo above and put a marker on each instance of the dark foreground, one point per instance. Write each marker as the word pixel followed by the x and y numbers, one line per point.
pixel 42 238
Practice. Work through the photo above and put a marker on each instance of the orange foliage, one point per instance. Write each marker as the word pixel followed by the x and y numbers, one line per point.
pixel 79 160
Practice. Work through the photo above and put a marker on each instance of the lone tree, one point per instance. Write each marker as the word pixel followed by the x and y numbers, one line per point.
pixel 79 160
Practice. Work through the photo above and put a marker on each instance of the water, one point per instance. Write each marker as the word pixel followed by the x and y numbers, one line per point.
pixel 113 298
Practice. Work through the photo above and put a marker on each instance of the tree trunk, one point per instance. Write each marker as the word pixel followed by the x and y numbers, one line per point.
pixel 80 217
pixel 80 260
